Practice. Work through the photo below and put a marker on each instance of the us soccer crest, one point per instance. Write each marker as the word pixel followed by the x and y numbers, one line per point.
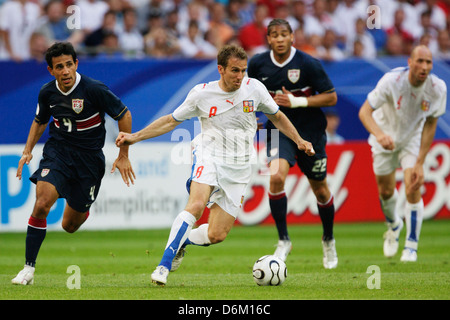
pixel 77 105
pixel 44 172
pixel 293 75
pixel 425 105
pixel 248 105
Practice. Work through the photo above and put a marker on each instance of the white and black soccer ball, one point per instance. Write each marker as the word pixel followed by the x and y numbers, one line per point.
pixel 269 270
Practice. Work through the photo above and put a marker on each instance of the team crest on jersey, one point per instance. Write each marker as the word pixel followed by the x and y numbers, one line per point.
pixel 293 75
pixel 248 105
pixel 77 105
pixel 425 105
pixel 44 172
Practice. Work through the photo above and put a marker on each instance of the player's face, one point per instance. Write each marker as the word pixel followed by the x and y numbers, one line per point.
pixel 420 65
pixel 280 40
pixel 64 70
pixel 231 76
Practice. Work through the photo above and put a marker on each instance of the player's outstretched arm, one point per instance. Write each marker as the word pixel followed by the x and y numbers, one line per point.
pixel 123 162
pixel 365 115
pixel 34 135
pixel 283 124
pixel 158 127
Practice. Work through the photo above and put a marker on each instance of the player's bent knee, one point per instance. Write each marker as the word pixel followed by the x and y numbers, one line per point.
pixel 216 236
pixel 70 227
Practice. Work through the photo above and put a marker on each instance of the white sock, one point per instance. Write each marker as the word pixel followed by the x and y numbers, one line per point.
pixel 199 236
pixel 413 218
pixel 181 227
pixel 388 208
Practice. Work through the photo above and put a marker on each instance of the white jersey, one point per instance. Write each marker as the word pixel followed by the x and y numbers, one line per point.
pixel 401 109
pixel 228 121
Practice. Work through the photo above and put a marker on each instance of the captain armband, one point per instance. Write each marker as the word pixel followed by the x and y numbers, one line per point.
pixel 298 102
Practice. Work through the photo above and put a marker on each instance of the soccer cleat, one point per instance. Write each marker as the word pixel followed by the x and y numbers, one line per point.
pixel 176 262
pixel 409 255
pixel 25 276
pixel 390 245
pixel 284 247
pixel 159 276
pixel 330 259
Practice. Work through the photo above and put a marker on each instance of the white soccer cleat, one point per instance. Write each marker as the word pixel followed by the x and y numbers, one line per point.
pixel 391 236
pixel 25 276
pixel 284 247
pixel 176 262
pixel 159 276
pixel 330 259
pixel 409 255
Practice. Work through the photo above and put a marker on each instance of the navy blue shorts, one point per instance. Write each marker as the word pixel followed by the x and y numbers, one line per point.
pixel 76 174
pixel 314 167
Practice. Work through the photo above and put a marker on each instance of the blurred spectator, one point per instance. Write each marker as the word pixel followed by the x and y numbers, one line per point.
pixel 246 11
pixel 333 122
pixel 233 18
pixel 131 41
pixel 194 46
pixel 194 10
pixel 92 12
pixel 366 44
pixel 38 47
pixel 305 21
pixel 321 17
pixel 109 47
pixel 347 12
pixel 426 27
pixel 399 29
pixel 95 38
pixel 159 43
pixel 301 43
pixel 271 5
pixel 443 43
pixel 335 25
pixel 18 20
pixel 438 16
pixel 221 29
pixel 252 36
pixel 394 45
pixel 53 25
pixel 283 11
pixel 172 23
pixel 153 8
pixel 154 21
pixel 329 51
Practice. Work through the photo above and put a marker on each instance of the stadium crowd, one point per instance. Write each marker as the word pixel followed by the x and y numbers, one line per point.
pixel 327 29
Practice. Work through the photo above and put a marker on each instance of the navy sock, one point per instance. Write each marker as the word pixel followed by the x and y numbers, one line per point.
pixel 326 213
pixel 278 207
pixel 37 229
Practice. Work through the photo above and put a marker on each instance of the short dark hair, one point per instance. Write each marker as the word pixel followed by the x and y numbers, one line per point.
pixel 278 22
pixel 59 49
pixel 228 52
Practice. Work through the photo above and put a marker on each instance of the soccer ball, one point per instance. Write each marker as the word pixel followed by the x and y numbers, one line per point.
pixel 269 270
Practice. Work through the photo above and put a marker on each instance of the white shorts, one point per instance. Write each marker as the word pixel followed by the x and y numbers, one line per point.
pixel 229 180
pixel 386 161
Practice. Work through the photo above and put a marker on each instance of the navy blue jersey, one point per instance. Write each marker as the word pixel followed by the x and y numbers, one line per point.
pixel 302 75
pixel 79 114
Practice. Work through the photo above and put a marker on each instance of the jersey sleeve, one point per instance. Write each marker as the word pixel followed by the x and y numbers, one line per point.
pixel 266 104
pixel 43 109
pixel 188 109
pixel 441 102
pixel 107 101
pixel 319 78
pixel 379 95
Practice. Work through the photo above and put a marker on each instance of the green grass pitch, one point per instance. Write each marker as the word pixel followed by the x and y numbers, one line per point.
pixel 116 265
